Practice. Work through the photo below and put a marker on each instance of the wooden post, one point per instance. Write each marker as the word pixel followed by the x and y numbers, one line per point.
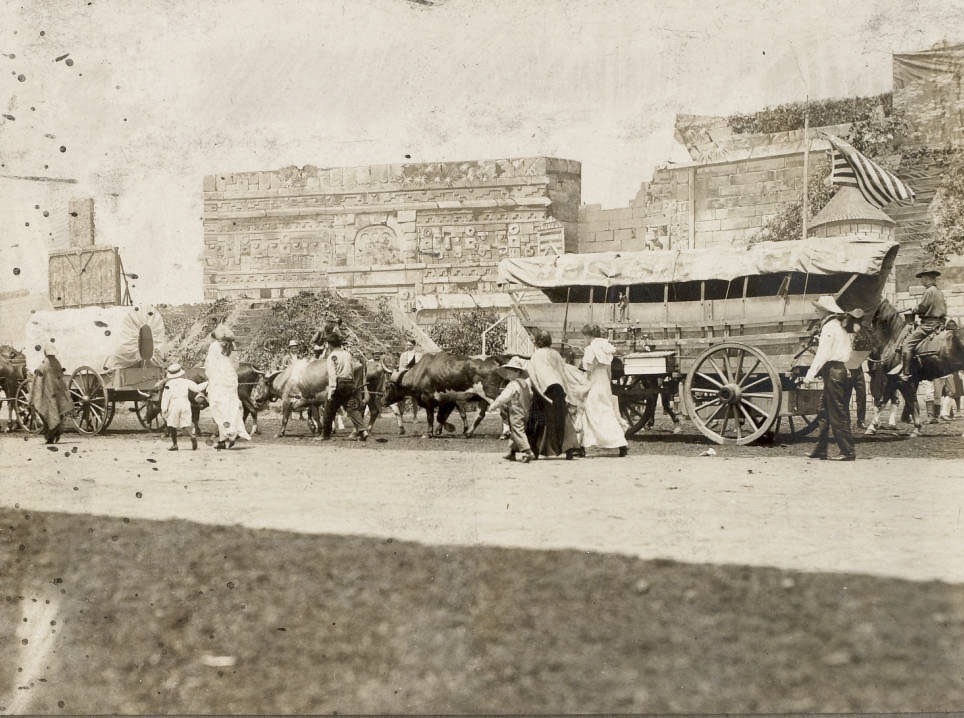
pixel 806 165
pixel 692 212
pixel 565 317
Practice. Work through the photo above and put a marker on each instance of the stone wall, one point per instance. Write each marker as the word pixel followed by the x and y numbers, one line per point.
pixel 705 205
pixel 402 230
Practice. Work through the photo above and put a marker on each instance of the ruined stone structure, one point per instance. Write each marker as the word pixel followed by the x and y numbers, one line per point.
pixel 735 185
pixel 404 230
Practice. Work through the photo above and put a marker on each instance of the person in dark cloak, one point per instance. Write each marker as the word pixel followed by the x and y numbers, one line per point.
pixel 49 396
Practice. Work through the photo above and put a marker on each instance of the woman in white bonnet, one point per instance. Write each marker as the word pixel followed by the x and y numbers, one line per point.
pixel 222 390
pixel 600 425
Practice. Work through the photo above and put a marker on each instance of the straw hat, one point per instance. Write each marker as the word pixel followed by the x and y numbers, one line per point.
pixel 510 368
pixel 933 271
pixel 828 304
pixel 50 350
pixel 174 371
pixel 857 313
pixel 294 343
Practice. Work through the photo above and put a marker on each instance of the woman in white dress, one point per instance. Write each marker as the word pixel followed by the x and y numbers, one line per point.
pixel 222 391
pixel 601 424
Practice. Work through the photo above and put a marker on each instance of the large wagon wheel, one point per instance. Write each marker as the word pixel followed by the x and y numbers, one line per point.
pixel 630 393
pixel 27 417
pixel 92 411
pixel 155 423
pixel 733 393
pixel 801 425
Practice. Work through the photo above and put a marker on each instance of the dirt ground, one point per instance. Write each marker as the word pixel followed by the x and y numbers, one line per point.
pixel 416 575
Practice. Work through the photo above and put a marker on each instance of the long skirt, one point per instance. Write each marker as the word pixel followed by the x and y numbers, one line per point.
pixel 550 429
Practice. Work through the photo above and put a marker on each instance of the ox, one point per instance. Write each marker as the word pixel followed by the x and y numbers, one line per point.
pixel 248 378
pixel 13 370
pixel 307 389
pixel 443 381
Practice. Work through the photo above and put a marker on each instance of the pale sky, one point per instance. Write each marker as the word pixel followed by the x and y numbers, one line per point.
pixel 161 93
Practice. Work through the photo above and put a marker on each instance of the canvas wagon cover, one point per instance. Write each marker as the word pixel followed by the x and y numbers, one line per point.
pixel 103 338
pixel 618 269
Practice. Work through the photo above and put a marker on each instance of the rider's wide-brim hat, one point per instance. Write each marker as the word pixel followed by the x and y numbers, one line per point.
pixel 828 304
pixel 857 313
pixel 928 271
pixel 174 371
pixel 294 343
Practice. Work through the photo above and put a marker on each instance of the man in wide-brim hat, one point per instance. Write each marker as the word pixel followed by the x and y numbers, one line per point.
pixel 514 404
pixel 834 348
pixel 931 310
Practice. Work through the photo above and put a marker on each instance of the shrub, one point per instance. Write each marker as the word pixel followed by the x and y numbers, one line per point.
pixel 461 333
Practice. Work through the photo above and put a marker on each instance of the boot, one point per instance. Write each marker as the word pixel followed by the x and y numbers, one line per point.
pixel 173 433
pixel 907 356
pixel 510 456
pixel 193 442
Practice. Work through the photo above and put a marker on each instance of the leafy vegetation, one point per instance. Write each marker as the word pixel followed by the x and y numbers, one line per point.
pixel 790 116
pixel 368 332
pixel 462 333
pixel 948 236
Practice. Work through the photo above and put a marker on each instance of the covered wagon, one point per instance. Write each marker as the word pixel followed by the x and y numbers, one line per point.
pixel 112 354
pixel 733 324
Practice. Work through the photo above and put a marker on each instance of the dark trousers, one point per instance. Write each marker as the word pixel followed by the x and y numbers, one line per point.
pixel 859 387
pixel 835 410
pixel 343 396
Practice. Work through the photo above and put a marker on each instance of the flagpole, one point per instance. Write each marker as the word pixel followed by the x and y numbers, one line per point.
pixel 806 163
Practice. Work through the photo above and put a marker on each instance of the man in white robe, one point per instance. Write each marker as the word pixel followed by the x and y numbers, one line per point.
pixel 222 390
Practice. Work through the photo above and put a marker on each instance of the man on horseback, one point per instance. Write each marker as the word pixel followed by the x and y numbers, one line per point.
pixel 932 312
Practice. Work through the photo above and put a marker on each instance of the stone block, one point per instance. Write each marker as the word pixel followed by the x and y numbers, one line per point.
pixel 735 223
pixel 623 235
pixel 748 178
pixel 605 235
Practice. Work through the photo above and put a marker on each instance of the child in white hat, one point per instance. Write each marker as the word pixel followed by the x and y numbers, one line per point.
pixel 516 400
pixel 176 404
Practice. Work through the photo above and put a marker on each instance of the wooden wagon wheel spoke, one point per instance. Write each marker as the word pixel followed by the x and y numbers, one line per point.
pixel 723 376
pixel 743 377
pixel 711 402
pixel 753 384
pixel 748 417
pixel 710 379
pixel 755 407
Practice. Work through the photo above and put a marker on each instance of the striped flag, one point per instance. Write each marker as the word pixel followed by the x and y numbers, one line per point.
pixel 877 185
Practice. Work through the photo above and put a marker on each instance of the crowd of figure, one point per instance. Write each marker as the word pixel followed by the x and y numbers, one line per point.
pixel 549 407
pixel 553 408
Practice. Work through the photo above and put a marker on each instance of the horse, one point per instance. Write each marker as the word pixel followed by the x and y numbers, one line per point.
pixel 940 354
pixel 13 370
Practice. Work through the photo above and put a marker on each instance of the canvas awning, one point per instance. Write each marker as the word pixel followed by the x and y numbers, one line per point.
pixel 835 255
pixel 103 338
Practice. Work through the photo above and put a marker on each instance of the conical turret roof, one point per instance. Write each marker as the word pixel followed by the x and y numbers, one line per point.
pixel 849 205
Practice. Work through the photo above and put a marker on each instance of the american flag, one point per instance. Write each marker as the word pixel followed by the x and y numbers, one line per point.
pixel 877 185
